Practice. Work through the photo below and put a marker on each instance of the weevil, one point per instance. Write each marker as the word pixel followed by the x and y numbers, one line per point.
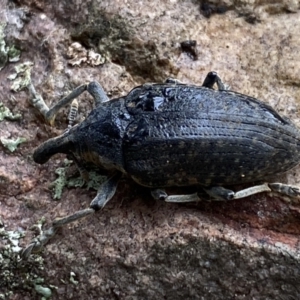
pixel 174 134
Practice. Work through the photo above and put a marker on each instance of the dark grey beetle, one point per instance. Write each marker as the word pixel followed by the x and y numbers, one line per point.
pixel 173 134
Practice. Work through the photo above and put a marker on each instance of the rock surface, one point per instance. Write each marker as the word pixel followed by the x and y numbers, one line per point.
pixel 137 248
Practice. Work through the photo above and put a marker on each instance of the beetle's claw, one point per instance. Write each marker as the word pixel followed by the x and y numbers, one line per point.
pixel 289 190
pixel 159 194
pixel 37 243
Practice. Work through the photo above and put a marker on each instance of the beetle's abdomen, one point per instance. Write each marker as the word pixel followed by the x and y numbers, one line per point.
pixel 226 141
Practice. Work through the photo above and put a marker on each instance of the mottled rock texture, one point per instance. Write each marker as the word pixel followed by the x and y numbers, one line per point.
pixel 137 248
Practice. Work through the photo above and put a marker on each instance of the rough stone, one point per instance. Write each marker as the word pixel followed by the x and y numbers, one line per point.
pixel 137 248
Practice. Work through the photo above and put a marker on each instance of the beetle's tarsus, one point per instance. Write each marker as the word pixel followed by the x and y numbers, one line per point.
pixel 285 189
pixel 37 243
pixel 159 194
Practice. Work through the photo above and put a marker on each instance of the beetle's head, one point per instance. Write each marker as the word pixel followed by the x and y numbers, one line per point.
pixel 60 144
pixel 97 141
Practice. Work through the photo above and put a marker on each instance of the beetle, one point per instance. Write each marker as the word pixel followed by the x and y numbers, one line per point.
pixel 173 134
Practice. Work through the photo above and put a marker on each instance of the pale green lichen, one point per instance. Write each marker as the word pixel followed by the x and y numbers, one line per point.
pixel 17 275
pixel 12 144
pixel 11 54
pixel 5 113
pixel 22 76
pixel 72 278
pixel 44 291
pixel 13 238
pixel 94 182
pixel 59 184
pixel 3 48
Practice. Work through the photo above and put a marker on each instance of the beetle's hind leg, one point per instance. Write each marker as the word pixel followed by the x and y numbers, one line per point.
pixel 281 188
pixel 94 88
pixel 104 194
pixel 212 78
pixel 285 189
pixel 219 193
pixel 159 194
pixel 216 194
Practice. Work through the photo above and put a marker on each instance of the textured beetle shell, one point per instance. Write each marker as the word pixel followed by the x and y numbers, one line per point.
pixel 184 135
pixel 180 135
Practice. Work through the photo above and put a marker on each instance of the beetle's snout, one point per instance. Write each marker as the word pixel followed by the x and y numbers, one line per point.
pixel 60 144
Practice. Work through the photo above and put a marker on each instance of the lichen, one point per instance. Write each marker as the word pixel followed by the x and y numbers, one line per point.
pixel 12 144
pixel 3 49
pixel 7 53
pixel 13 54
pixel 59 183
pixel 17 275
pixel 45 291
pixel 72 278
pixel 94 181
pixel 5 113
pixel 21 78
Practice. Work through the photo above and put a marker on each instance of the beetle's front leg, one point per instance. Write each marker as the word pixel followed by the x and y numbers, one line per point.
pixel 104 194
pixel 94 88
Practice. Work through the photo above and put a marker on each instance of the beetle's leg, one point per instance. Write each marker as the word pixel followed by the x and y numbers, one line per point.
pixel 212 78
pixel 94 88
pixel 289 190
pixel 159 194
pixel 104 194
pixel 219 193
pixel 98 93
